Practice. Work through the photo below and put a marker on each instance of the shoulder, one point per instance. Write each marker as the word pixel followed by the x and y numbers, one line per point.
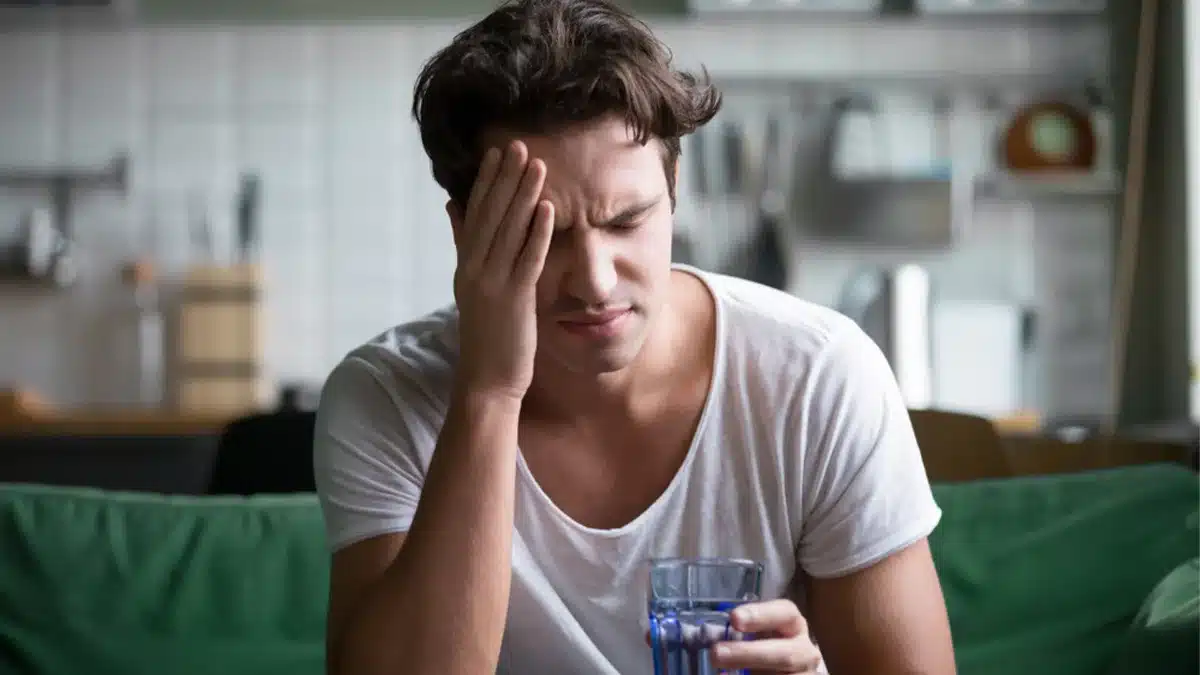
pixel 402 376
pixel 800 361
pixel 774 330
pixel 413 358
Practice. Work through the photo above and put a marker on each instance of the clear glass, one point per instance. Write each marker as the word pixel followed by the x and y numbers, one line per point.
pixel 689 601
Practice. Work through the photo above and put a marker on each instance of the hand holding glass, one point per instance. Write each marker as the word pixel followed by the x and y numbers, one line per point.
pixel 689 602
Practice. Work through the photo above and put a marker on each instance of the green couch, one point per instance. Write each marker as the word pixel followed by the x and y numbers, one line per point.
pixel 1068 575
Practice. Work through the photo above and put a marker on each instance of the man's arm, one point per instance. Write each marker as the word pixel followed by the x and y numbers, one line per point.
pixel 434 600
pixel 439 605
pixel 887 619
pixel 873 600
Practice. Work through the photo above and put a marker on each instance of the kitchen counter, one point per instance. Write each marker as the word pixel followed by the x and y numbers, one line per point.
pixel 21 413
pixel 24 413
pixel 115 423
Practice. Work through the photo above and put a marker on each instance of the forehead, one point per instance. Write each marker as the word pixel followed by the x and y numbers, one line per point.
pixel 597 167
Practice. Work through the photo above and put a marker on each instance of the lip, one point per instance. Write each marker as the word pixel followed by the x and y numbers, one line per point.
pixel 596 319
pixel 602 325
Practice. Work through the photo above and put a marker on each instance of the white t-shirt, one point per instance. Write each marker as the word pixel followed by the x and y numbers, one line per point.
pixel 804 459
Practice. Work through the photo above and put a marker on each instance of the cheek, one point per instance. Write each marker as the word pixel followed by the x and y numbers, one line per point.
pixel 651 248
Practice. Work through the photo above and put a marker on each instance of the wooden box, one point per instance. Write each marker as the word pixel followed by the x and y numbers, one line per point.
pixel 218 355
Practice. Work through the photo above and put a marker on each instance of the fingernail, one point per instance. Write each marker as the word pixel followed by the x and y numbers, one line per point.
pixel 743 614
pixel 720 650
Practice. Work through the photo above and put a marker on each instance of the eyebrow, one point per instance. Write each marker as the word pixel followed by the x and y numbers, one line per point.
pixel 630 212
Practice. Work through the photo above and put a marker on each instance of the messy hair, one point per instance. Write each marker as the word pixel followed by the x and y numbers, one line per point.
pixel 540 66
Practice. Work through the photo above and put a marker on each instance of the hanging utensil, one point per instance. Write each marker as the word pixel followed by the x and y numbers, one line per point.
pixel 247 217
pixel 763 259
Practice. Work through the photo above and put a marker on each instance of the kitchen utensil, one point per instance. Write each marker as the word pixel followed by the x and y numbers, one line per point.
pixel 141 279
pixel 218 356
pixel 733 150
pixel 689 601
pixel 763 258
pixel 247 216
pixel 48 254
pixel 200 230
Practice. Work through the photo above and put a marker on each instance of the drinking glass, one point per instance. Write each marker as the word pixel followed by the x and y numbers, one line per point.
pixel 689 602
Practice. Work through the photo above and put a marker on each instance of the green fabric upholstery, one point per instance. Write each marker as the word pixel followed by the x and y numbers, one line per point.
pixel 1046 574
pixel 1165 636
pixel 1041 575
pixel 130 584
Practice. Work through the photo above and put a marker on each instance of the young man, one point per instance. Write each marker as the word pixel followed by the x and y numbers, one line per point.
pixel 495 475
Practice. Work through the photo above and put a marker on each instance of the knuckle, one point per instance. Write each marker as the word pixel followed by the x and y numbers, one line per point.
pixel 794 663
pixel 801 623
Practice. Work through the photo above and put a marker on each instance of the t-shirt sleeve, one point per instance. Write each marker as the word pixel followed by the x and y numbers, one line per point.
pixel 866 493
pixel 367 455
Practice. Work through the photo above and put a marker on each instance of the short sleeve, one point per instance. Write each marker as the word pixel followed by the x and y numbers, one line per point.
pixel 866 493
pixel 367 450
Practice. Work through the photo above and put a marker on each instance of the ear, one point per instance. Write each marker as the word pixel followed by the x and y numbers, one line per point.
pixel 456 220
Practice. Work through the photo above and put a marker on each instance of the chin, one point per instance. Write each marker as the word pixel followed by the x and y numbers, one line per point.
pixel 596 362
pixel 581 358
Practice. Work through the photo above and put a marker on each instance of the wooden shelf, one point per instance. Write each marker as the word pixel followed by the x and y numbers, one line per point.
pixel 998 8
pixel 1035 186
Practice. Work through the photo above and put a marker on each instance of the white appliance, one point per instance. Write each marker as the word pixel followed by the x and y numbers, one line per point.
pixel 978 358
pixel 893 305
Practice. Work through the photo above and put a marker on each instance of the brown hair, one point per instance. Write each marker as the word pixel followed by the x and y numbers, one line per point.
pixel 537 66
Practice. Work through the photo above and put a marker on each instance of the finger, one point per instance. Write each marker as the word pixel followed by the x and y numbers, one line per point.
pixel 537 244
pixel 514 231
pixel 484 178
pixel 794 655
pixel 780 617
pixel 494 205
pixel 456 221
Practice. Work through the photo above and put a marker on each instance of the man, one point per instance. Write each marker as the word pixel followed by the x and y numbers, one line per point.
pixel 495 475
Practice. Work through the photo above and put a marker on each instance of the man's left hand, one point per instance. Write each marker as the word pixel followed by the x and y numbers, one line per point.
pixel 781 642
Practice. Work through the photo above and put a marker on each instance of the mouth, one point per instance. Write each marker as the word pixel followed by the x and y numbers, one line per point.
pixel 597 325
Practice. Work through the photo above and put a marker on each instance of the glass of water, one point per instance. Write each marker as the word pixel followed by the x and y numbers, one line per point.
pixel 689 602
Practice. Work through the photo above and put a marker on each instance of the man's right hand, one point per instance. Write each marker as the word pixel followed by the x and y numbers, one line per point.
pixel 502 237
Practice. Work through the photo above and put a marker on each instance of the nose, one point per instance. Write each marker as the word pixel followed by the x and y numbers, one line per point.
pixel 593 274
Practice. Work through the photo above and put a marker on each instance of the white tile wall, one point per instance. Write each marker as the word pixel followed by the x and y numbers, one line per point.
pixel 353 233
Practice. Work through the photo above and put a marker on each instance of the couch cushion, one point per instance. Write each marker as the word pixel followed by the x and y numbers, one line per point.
pixel 1045 574
pixel 94 582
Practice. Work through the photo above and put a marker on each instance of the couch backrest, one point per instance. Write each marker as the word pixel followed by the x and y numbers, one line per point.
pixel 1044 575
pixel 1041 575
pixel 103 582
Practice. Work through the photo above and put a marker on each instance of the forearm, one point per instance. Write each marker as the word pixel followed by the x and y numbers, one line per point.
pixel 441 607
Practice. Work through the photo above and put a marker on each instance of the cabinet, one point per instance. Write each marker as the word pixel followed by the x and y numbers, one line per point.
pixel 347 10
pixel 702 7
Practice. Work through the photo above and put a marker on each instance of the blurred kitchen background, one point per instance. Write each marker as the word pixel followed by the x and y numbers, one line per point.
pixel 204 205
